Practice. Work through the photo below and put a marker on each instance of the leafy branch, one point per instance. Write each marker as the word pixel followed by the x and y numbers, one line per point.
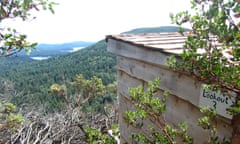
pixel 11 41
pixel 151 105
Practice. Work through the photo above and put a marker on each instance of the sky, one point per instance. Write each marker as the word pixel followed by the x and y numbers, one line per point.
pixel 92 20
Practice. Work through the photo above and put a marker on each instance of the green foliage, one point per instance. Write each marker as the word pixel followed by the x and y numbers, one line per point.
pixel 211 54
pixel 151 105
pixel 209 122
pixel 8 118
pixel 58 89
pixel 13 42
pixel 93 87
pixel 33 78
pixel 95 136
pixel 235 108
pixel 211 51
pixel 148 105
pixel 9 107
pixel 91 92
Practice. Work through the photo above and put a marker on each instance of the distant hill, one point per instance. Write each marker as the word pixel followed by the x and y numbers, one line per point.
pixel 35 77
pixel 46 50
pixel 155 30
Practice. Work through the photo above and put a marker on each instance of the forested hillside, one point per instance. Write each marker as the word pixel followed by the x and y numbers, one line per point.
pixel 33 78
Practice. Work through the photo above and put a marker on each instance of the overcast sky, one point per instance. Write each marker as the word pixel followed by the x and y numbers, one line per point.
pixel 91 20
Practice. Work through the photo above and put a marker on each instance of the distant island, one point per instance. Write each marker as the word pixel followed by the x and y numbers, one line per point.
pixel 45 51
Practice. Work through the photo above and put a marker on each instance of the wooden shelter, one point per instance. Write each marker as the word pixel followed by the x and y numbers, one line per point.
pixel 142 58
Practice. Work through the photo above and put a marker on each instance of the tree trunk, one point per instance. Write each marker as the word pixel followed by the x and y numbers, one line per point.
pixel 236 129
pixel 236 125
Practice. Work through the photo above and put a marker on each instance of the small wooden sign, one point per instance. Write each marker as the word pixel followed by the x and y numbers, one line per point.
pixel 217 101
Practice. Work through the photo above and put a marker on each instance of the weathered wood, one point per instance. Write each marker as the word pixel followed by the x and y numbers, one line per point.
pixel 154 56
pixel 127 130
pixel 178 110
pixel 142 58
pixel 173 82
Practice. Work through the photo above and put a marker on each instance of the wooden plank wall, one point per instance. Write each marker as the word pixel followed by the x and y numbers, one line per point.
pixel 179 108
pixel 136 66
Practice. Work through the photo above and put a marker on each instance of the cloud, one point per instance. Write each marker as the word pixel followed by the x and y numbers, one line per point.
pixel 91 20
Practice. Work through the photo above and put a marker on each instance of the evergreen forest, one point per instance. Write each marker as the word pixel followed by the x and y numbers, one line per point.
pixel 29 80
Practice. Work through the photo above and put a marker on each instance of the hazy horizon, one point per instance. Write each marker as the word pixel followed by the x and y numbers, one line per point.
pixel 92 20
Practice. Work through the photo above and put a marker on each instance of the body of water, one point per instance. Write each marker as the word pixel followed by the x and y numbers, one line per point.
pixel 40 58
pixel 76 49
pixel 47 57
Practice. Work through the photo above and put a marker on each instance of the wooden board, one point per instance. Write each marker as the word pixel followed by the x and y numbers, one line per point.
pixel 177 111
pixel 177 84
pixel 132 51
